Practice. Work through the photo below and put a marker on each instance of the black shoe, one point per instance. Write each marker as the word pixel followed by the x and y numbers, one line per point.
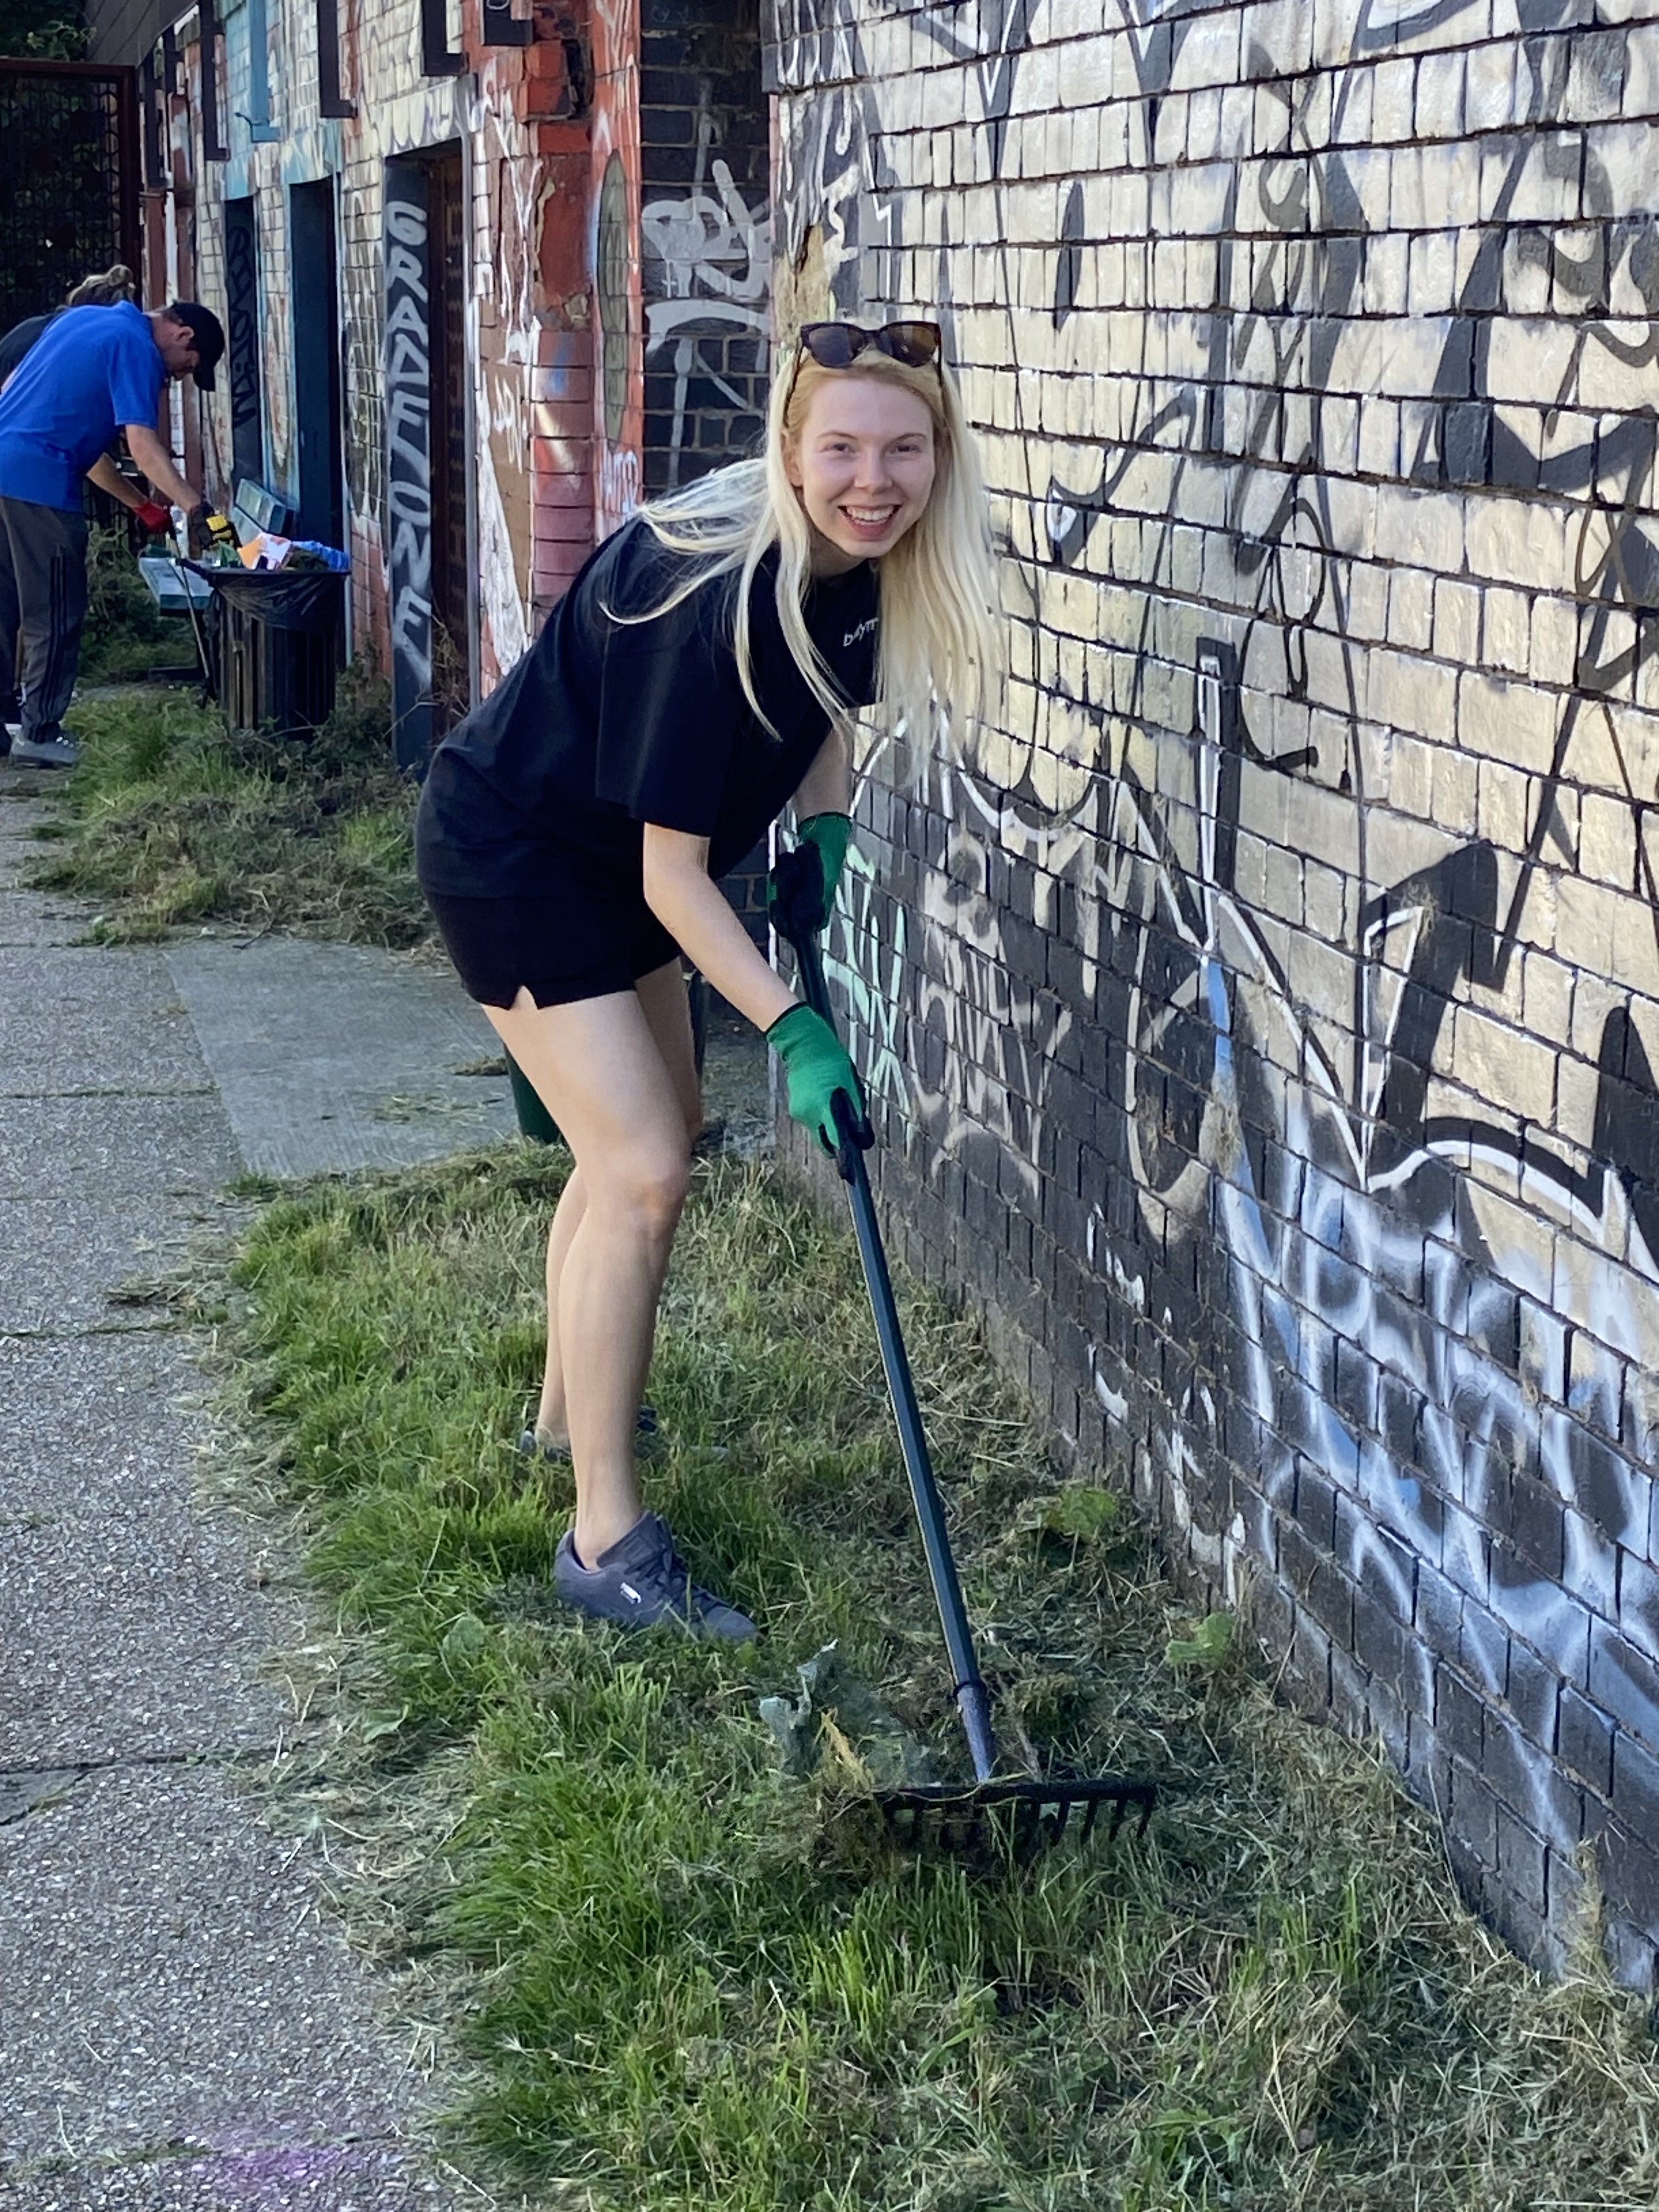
pixel 642 1581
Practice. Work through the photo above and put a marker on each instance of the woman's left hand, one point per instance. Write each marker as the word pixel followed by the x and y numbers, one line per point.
pixel 805 896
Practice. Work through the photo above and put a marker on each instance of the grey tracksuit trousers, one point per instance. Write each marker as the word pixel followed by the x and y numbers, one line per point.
pixel 43 594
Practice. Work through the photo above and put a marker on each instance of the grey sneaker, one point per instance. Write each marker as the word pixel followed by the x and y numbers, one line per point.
pixel 642 1580
pixel 45 752
pixel 646 1441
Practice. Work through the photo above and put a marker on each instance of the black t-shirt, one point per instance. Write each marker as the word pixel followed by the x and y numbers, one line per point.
pixel 20 338
pixel 607 725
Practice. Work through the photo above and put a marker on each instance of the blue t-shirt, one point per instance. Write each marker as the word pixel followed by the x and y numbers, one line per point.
pixel 91 371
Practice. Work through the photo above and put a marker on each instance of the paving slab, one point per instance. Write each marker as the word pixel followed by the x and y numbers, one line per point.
pixel 100 1017
pixel 92 1422
pixel 122 2029
pixel 333 1057
pixel 19 816
pixel 131 1635
pixel 28 919
pixel 61 1255
pixel 175 1142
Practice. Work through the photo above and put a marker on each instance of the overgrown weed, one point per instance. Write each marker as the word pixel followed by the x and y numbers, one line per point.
pixel 682 1984
pixel 170 819
pixel 125 632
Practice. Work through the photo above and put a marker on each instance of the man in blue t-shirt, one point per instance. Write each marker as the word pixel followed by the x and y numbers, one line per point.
pixel 92 372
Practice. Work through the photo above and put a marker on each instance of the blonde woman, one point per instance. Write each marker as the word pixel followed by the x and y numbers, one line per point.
pixel 697 677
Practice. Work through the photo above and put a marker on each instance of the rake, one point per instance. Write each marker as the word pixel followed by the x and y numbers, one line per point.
pixel 1031 1812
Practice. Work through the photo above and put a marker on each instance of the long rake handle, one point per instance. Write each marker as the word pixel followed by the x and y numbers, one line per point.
pixel 972 1703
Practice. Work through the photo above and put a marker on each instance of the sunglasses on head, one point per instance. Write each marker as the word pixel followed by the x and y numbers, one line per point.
pixel 838 345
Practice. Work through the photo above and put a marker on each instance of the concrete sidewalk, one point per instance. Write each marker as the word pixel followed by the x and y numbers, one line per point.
pixel 182 2029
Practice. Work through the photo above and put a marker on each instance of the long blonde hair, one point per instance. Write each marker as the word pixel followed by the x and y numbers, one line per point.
pixel 940 640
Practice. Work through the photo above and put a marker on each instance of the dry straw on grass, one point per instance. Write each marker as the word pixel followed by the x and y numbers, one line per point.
pixel 676 1984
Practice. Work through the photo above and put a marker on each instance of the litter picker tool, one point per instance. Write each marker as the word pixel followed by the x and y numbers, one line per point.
pixel 186 571
pixel 1035 1811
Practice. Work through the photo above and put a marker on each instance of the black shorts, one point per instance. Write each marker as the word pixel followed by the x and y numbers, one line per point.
pixel 500 946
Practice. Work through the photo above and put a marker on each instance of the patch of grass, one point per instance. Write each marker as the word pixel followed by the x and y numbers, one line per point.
pixel 687 1982
pixel 126 633
pixel 168 820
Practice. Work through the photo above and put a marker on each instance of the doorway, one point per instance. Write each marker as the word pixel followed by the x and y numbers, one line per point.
pixel 247 430
pixel 316 381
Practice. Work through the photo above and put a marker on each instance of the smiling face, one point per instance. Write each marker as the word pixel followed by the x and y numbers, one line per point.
pixel 862 463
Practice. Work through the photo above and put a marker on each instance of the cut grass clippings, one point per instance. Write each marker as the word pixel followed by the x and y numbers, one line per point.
pixel 683 1981
pixel 167 819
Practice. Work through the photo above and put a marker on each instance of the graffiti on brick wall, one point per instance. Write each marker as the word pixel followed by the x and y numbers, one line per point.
pixel 1362 1065
pixel 407 376
pixel 707 281
pixel 506 356
pixel 614 261
pixel 834 175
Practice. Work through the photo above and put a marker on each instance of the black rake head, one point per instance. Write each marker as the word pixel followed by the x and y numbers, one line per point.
pixel 1024 1815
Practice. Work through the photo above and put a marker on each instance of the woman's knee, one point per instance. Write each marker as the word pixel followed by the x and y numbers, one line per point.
pixel 647 1188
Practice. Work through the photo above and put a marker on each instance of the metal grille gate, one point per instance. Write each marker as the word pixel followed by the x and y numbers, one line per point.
pixel 69 179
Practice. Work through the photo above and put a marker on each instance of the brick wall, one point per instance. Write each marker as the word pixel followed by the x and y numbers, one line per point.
pixel 1262 1019
pixel 705 157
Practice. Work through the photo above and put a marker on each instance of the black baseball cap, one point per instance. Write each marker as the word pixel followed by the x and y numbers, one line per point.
pixel 205 328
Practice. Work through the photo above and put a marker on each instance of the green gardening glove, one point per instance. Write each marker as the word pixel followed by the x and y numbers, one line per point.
pixel 815 1067
pixel 805 897
pixel 831 834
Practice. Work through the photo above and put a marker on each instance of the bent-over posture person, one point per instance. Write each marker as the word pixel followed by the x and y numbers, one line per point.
pixel 696 679
pixel 93 371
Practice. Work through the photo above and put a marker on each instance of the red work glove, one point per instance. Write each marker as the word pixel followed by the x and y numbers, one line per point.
pixel 153 517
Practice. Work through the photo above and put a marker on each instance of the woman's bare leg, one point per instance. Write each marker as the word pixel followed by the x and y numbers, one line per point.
pixel 663 999
pixel 599 1068
pixel 552 1421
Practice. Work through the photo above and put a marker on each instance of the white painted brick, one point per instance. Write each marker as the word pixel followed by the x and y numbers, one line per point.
pixel 1379 437
pixel 1501 1062
pixel 1554 640
pixel 1387 283
pixel 1439 107
pixel 1642 74
pixel 1431 279
pixel 1510 722
pixel 1282 31
pixel 1411 610
pixel 1618 167
pixel 1411 779
pixel 1489 86
pixel 1209 52
pixel 1506 638
pixel 1456 789
pixel 1394 99
pixel 1420 526
pixel 1504 805
pixel 1545 189
pixel 1606 381
pixel 1523 541
pixel 1526 288
pixel 1606 841
pixel 1411 349
pixel 1596 78
pixel 1368 603
pixel 1352 109
pixel 1456 634
pixel 1411 694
